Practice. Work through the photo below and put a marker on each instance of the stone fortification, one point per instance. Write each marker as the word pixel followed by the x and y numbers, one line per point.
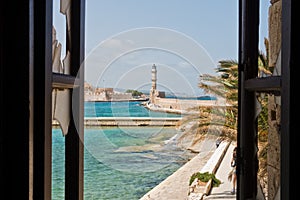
pixel 104 94
pixel 183 104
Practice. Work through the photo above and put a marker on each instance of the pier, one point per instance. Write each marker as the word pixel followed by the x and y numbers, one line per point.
pixel 129 121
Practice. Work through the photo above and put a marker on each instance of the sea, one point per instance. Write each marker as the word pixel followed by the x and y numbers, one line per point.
pixel 120 163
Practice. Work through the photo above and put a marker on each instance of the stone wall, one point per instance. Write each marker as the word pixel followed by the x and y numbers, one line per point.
pixel 121 96
pixel 183 104
pixel 273 159
pixel 274 31
pixel 130 121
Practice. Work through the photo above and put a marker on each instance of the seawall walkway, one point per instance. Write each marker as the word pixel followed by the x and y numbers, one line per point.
pixel 176 186
pixel 224 189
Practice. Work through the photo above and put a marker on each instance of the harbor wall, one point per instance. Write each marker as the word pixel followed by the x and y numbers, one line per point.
pixel 128 121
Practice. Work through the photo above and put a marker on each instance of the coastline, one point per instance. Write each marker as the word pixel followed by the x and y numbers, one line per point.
pixel 180 106
pixel 157 108
pixel 176 186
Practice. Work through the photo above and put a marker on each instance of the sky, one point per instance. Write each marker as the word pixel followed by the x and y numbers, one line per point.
pixel 184 39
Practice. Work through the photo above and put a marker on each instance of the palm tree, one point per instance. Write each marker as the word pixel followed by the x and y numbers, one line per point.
pixel 222 120
pixel 217 120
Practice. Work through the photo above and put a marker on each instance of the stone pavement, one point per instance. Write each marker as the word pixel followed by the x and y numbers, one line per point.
pixel 176 186
pixel 224 189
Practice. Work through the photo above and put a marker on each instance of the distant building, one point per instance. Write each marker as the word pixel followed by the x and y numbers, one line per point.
pixel 104 94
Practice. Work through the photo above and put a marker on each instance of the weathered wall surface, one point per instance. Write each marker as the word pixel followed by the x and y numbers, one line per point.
pixel 183 104
pixel 273 158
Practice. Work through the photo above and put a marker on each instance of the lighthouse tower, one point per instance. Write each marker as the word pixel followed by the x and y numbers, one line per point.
pixel 153 91
pixel 154 77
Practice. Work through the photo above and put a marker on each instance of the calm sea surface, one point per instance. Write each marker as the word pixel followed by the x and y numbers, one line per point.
pixel 121 109
pixel 120 163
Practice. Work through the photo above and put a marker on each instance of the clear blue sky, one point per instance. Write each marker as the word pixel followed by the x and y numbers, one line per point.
pixel 124 38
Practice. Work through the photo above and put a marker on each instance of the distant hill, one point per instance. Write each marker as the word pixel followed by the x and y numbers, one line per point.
pixel 146 92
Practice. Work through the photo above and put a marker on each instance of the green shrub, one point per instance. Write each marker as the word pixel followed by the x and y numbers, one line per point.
pixel 205 177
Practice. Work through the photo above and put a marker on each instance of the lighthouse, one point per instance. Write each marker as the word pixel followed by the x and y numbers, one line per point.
pixel 153 91
pixel 154 77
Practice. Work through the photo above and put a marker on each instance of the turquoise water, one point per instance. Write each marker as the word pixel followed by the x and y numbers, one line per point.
pixel 120 163
pixel 121 109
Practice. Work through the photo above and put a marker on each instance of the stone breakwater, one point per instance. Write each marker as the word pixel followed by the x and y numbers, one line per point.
pixel 181 106
pixel 129 121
